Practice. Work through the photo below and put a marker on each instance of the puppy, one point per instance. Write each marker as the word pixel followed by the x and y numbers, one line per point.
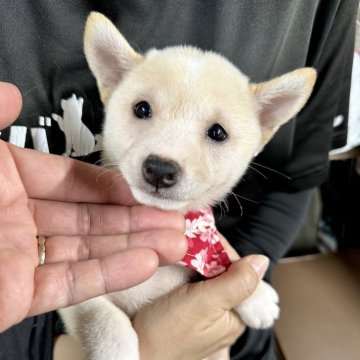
pixel 181 126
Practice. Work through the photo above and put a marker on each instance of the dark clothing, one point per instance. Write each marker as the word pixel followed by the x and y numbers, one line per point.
pixel 41 52
pixel 30 340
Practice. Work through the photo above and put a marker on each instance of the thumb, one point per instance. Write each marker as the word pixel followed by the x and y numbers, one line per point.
pixel 238 283
pixel 10 104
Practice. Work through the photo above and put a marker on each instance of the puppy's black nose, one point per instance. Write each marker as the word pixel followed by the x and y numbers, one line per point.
pixel 160 172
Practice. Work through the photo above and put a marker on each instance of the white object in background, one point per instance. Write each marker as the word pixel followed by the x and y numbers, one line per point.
pixel 18 135
pixel 353 136
pixel 40 140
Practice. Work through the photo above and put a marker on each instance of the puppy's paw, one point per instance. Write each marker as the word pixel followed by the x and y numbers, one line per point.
pixel 261 309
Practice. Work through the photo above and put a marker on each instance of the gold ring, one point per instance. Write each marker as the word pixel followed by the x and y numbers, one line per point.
pixel 41 249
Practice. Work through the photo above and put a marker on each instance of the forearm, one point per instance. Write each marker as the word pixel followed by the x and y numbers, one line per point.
pixel 270 227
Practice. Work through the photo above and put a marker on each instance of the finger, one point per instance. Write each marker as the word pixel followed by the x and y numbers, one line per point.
pixel 10 104
pixel 260 263
pixel 59 218
pixel 170 245
pixel 234 326
pixel 63 284
pixel 235 285
pixel 65 179
pixel 229 249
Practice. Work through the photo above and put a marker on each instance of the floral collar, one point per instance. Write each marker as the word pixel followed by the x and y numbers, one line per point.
pixel 205 252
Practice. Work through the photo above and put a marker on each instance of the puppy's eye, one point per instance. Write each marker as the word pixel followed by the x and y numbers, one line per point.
pixel 142 110
pixel 217 133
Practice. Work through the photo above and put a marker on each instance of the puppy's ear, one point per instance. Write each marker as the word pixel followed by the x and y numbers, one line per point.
pixel 108 54
pixel 279 99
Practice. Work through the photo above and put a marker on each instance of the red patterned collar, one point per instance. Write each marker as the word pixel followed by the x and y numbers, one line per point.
pixel 205 252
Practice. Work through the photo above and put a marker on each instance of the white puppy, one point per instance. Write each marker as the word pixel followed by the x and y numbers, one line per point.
pixel 182 125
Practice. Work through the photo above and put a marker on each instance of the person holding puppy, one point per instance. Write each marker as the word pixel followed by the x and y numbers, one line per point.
pixel 150 238
pixel 318 34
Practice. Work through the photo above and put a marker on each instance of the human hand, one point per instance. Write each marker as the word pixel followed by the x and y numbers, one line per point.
pixel 233 255
pixel 95 232
pixel 197 320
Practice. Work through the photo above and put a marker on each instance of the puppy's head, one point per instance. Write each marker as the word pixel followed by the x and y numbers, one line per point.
pixel 181 124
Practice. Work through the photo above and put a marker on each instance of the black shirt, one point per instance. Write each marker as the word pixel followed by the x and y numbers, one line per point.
pixel 41 52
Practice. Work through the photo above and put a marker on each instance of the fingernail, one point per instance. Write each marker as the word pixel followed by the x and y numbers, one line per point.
pixel 259 263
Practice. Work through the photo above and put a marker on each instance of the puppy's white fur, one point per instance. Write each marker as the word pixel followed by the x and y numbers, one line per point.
pixel 189 90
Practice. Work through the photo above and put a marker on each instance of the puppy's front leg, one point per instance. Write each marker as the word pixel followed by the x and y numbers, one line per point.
pixel 261 309
pixel 105 331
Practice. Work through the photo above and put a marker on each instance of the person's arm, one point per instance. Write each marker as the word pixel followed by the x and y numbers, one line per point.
pixel 271 228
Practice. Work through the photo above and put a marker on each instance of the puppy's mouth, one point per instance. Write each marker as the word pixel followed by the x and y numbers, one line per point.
pixel 160 198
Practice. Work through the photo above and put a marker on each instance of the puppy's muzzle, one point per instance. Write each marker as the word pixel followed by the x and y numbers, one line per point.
pixel 159 172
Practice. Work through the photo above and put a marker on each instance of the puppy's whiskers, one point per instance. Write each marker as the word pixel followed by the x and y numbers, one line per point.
pixel 270 169
pixel 259 172
pixel 224 207
pixel 244 198
pixel 107 168
pixel 102 174
pixel 238 201
pixel 98 162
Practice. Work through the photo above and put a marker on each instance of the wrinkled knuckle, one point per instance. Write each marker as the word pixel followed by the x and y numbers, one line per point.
pixel 236 328
pixel 248 282
pixel 127 241
pixel 104 288
pixel 84 250
pixel 84 219
pixel 134 219
pixel 70 284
